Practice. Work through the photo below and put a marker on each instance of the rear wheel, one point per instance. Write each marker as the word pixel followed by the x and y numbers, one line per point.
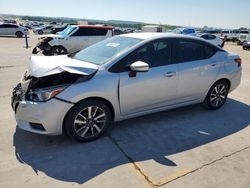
pixel 217 95
pixel 40 32
pixel 88 120
pixel 19 34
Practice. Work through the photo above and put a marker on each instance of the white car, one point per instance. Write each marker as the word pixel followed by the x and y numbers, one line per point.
pixel 244 36
pixel 42 30
pixel 212 38
pixel 13 29
pixel 227 34
pixel 72 39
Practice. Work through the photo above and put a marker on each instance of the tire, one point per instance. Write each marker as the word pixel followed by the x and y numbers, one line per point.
pixel 87 120
pixel 19 34
pixel 244 48
pixel 40 32
pixel 58 50
pixel 34 51
pixel 217 95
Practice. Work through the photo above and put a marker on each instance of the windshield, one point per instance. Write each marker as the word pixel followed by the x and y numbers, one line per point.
pixel 103 51
pixel 67 31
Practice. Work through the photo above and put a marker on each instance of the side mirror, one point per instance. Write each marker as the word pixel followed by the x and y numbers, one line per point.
pixel 139 66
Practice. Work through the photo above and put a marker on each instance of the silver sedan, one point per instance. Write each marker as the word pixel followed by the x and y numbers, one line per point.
pixel 119 78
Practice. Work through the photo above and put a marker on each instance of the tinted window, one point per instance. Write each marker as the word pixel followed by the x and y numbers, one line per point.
pixel 204 37
pixel 186 50
pixel 8 26
pixel 211 37
pixel 90 32
pixel 244 32
pixel 155 54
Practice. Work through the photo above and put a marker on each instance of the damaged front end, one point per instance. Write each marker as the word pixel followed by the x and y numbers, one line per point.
pixel 44 88
pixel 43 47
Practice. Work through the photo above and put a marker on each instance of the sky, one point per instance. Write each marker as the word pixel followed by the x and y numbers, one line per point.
pixel 196 13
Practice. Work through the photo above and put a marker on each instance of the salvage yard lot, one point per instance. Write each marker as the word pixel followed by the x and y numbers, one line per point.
pixel 186 147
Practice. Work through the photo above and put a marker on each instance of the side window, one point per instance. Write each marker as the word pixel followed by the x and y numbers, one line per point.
pixel 212 37
pixel 204 37
pixel 82 31
pixel 189 50
pixel 154 53
pixel 10 26
pixel 209 51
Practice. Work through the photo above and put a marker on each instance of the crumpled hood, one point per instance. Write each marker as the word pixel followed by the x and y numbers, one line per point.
pixel 50 36
pixel 41 66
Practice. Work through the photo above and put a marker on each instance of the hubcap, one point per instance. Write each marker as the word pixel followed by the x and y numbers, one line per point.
pixel 218 95
pixel 89 122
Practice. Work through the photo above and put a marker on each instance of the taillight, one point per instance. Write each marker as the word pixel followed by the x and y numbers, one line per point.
pixel 238 61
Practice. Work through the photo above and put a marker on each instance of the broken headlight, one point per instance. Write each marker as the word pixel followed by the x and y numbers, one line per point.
pixel 44 94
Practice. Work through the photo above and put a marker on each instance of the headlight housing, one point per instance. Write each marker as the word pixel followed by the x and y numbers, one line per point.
pixel 45 94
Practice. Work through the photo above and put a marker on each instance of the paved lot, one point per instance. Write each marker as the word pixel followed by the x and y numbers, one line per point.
pixel 187 147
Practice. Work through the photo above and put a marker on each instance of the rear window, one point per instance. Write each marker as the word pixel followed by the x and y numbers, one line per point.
pixel 91 32
pixel 186 50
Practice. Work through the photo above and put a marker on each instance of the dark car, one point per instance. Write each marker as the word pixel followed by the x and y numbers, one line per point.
pixel 56 29
pixel 246 46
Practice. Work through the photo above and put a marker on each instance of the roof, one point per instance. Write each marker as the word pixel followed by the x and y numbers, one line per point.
pixel 149 35
pixel 95 26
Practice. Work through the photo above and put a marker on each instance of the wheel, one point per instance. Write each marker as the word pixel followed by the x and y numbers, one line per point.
pixel 88 120
pixel 40 32
pixel 34 51
pixel 19 34
pixel 217 95
pixel 58 50
pixel 244 48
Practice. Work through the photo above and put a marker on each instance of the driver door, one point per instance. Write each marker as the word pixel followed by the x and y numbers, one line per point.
pixel 148 90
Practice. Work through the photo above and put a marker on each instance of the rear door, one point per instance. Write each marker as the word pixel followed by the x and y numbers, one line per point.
pixel 198 68
pixel 148 90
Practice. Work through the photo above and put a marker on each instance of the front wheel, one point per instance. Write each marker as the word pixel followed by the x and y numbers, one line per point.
pixel 88 120
pixel 217 95
pixel 19 34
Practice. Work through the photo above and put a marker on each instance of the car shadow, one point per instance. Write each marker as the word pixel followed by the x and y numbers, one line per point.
pixel 148 137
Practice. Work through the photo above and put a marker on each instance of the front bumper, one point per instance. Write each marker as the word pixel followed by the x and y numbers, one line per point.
pixel 49 115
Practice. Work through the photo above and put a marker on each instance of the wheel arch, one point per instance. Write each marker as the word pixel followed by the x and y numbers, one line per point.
pixel 220 79
pixel 101 99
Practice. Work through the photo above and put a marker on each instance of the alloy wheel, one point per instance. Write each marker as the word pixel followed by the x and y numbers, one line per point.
pixel 218 95
pixel 89 122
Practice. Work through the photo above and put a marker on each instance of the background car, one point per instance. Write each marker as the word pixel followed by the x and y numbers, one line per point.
pixel 59 28
pixel 41 30
pixel 212 38
pixel 13 29
pixel 246 45
pixel 244 37
pixel 119 78
pixel 72 39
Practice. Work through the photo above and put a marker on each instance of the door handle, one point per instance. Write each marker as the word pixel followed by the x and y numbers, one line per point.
pixel 170 74
pixel 213 63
